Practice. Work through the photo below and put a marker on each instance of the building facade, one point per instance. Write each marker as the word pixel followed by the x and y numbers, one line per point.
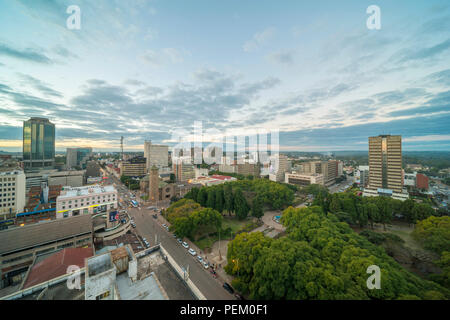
pixel 38 144
pixel 301 179
pixel 156 155
pixel 135 167
pixel 385 162
pixel 77 157
pixel 86 200
pixel 12 193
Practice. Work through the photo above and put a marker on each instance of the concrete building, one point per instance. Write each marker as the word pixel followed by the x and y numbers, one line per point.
pixel 12 193
pixel 54 177
pixel 201 172
pixel 328 169
pixel 38 144
pixel 278 170
pixel 183 171
pixel 302 179
pixel 86 200
pixel 93 169
pixel 385 162
pixel 362 176
pixel 135 167
pixel 77 157
pixel 156 155
pixel 21 245
pixel 421 181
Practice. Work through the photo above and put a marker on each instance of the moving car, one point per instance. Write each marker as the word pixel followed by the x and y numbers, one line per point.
pixel 192 252
pixel 228 288
pixel 185 245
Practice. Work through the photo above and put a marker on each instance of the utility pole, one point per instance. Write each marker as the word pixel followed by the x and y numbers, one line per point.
pixel 121 147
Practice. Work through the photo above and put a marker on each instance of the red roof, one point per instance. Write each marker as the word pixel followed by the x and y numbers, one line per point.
pixel 56 265
pixel 219 177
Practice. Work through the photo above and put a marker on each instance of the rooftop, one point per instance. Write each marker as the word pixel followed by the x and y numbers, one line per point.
pixel 70 192
pixel 35 234
pixel 56 265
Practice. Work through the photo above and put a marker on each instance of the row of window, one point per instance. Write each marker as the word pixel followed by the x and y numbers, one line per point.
pixel 89 199
pixel 7 179
pixel 7 184
pixel 7 195
pixel 82 204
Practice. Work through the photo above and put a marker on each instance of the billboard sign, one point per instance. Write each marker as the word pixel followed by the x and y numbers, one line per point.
pixel 113 216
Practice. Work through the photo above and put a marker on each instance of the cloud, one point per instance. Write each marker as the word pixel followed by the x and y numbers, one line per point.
pixel 259 39
pixel 282 57
pixel 425 53
pixel 28 54
pixel 39 85
pixel 162 57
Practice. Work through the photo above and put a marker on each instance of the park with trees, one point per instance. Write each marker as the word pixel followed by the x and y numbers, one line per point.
pixel 320 257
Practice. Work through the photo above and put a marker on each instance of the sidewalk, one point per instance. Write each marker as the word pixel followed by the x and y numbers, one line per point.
pixel 211 258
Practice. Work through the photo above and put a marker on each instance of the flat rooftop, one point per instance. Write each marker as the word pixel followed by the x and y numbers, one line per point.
pixel 69 192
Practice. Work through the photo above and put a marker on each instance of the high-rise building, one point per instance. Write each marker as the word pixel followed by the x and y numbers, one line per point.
pixel 156 155
pixel 77 157
pixel 385 167
pixel 278 170
pixel 38 144
pixel 183 170
pixel 385 162
pixel 135 167
pixel 12 193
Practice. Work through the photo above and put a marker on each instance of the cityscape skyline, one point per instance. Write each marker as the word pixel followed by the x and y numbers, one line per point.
pixel 324 88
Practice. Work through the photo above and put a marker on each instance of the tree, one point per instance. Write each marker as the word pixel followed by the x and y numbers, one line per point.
pixel 219 199
pixel 241 208
pixel 335 205
pixel 257 208
pixel 211 199
pixel 228 197
pixel 202 196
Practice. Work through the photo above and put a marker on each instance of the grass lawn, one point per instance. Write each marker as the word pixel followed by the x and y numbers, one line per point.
pixel 228 222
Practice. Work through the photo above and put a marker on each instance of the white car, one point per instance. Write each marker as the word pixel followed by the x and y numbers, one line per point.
pixel 205 264
pixel 192 251
pixel 200 259
pixel 184 244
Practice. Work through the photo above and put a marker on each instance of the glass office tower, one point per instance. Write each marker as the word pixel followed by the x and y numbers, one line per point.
pixel 38 144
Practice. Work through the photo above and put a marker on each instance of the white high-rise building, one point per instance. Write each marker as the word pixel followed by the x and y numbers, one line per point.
pixel 156 155
pixel 12 193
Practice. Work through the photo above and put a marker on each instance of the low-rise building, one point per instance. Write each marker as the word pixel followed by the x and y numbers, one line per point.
pixel 302 179
pixel 86 200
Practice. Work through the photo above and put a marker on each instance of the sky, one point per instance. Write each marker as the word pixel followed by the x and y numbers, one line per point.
pixel 143 70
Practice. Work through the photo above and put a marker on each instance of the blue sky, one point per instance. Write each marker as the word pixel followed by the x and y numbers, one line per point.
pixel 310 69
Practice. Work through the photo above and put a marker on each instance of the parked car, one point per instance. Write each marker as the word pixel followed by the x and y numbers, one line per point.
pixel 133 225
pixel 200 259
pixel 147 245
pixel 144 240
pixel 164 225
pixel 205 264
pixel 179 240
pixel 228 288
pixel 155 216
pixel 185 245
pixel 192 252
pixel 174 235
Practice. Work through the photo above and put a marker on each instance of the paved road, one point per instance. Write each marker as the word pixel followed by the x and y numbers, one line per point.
pixel 148 227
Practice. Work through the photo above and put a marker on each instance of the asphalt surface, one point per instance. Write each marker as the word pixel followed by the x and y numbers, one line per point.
pixel 148 227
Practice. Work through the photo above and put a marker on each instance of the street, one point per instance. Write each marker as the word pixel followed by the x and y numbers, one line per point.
pixel 148 227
